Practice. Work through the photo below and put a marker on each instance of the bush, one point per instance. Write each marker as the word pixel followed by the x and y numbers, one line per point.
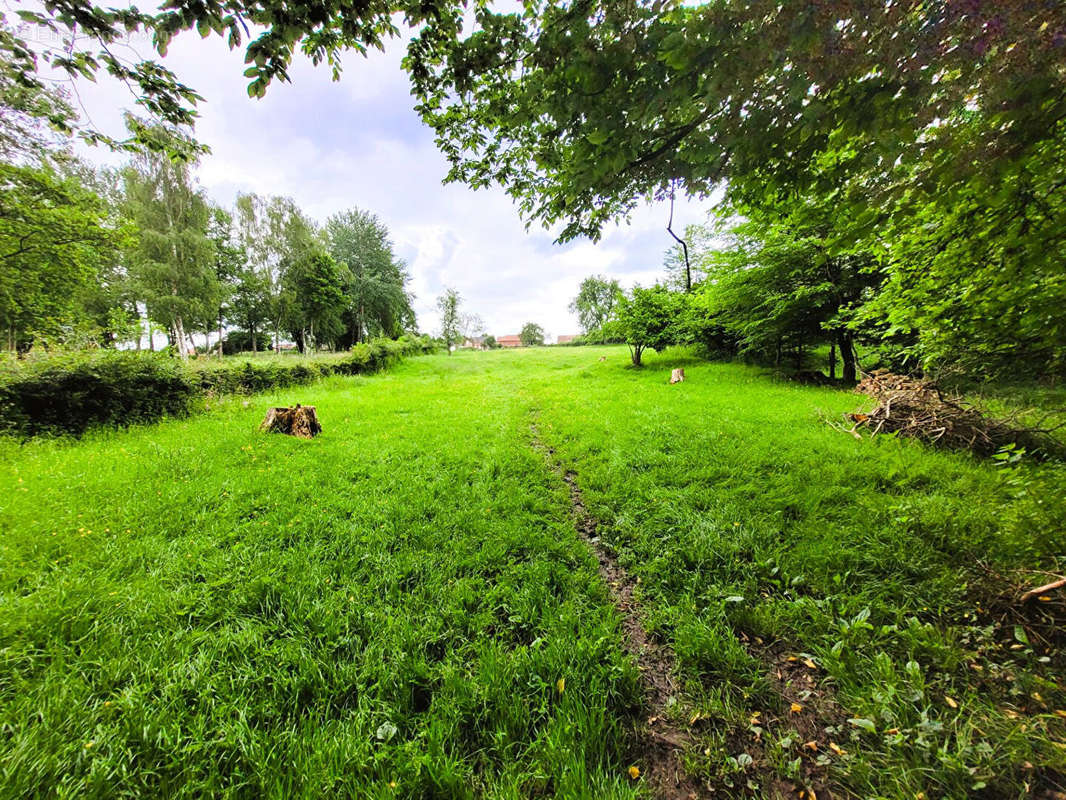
pixel 241 342
pixel 74 393
pixel 108 388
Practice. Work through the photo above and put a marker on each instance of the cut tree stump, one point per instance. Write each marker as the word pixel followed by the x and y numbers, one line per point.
pixel 298 421
pixel 677 376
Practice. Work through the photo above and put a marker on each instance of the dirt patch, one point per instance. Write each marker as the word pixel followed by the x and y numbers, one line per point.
pixel 810 712
pixel 1037 622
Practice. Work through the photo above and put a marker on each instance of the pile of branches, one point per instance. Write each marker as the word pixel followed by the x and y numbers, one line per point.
pixel 919 409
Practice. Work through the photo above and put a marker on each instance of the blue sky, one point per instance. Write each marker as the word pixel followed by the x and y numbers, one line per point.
pixel 357 142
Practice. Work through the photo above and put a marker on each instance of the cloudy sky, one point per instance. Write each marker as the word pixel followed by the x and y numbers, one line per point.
pixel 357 142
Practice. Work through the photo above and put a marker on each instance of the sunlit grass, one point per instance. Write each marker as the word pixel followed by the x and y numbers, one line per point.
pixel 194 608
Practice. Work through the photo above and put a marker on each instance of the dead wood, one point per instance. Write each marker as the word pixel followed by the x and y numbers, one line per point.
pixel 920 410
pixel 677 376
pixel 299 421
pixel 1040 590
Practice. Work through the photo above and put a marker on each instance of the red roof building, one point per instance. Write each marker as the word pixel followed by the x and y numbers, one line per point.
pixel 509 341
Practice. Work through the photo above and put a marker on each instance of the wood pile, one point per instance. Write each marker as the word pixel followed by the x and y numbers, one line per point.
pixel 918 409
pixel 299 421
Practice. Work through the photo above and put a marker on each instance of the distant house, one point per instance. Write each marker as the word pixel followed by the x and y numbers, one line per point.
pixel 474 342
pixel 509 341
pixel 565 338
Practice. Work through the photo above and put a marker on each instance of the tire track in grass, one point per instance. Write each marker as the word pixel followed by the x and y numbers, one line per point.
pixel 661 741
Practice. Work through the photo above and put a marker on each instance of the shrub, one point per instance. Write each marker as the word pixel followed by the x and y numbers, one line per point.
pixel 73 393
pixel 241 342
pixel 107 388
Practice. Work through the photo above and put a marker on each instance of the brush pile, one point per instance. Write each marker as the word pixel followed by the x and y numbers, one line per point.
pixel 918 409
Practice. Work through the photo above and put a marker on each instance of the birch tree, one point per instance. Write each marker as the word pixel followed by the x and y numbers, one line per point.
pixel 172 261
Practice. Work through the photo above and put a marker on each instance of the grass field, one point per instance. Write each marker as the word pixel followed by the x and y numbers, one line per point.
pixel 402 607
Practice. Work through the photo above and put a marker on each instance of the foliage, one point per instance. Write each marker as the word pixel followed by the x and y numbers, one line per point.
pixel 783 286
pixel 240 341
pixel 74 392
pixel 172 259
pixel 490 343
pixel 647 318
pixel 55 238
pixel 594 304
pixel 531 334
pixel 450 318
pixel 314 300
pixel 275 235
pixel 376 287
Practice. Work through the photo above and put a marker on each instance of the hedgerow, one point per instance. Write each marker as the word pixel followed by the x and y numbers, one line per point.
pixel 74 392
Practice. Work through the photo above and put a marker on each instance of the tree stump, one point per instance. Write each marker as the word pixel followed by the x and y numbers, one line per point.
pixel 603 358
pixel 299 421
pixel 677 376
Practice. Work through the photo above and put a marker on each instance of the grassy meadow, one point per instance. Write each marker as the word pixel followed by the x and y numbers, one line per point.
pixel 402 607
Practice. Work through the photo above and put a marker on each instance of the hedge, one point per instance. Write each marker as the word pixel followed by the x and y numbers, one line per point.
pixel 73 393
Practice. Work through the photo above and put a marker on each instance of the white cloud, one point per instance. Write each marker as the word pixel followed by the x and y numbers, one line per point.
pixel 358 142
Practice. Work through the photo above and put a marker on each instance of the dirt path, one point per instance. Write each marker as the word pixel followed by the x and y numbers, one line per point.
pixel 660 741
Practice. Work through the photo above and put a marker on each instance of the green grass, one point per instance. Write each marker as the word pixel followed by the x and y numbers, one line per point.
pixel 194 608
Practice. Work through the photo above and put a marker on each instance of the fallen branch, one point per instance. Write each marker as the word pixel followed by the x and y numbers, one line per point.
pixel 1040 590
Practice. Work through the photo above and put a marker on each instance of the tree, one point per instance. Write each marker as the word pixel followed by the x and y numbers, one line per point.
pixel 531 334
pixel 229 263
pixel 783 283
pixel 470 326
pixel 378 301
pixel 57 233
pixel 894 111
pixel 594 303
pixel 249 305
pixel 647 318
pixel 315 300
pixel 448 305
pixel 54 240
pixel 173 260
pixel 490 343
pixel 275 235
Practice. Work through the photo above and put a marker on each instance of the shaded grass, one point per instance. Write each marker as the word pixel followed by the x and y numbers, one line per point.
pixel 745 515
pixel 197 609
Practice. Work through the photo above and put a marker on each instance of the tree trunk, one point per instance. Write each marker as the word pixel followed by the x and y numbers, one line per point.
pixel 636 353
pixel 220 333
pixel 179 338
pixel 849 371
pixel 300 421
pixel 251 330
pixel 832 361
